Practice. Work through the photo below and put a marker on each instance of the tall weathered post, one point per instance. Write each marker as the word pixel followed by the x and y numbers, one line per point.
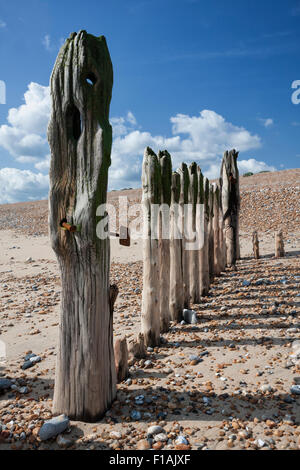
pixel 216 230
pixel 194 234
pixel 204 220
pixel 211 234
pixel 231 204
pixel 222 241
pixel 183 201
pixel 176 269
pixel 80 138
pixel 151 198
pixel 165 161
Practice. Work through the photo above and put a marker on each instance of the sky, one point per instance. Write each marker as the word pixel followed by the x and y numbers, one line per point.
pixel 190 76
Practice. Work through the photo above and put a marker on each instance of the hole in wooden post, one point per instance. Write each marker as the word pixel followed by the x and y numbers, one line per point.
pixel 74 124
pixel 91 79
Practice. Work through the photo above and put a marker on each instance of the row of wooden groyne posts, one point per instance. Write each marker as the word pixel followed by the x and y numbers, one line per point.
pixel 80 138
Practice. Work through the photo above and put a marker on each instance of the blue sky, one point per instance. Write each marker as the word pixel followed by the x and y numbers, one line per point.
pixel 191 76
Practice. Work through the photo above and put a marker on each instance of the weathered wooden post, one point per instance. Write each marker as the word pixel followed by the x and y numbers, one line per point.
pixel 194 253
pixel 80 138
pixel 204 250
pixel 121 359
pixel 231 204
pixel 211 233
pixel 216 230
pixel 176 269
pixel 165 161
pixel 255 243
pixel 183 201
pixel 279 245
pixel 222 242
pixel 151 185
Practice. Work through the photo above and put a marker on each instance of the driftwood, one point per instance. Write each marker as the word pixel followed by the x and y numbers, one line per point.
pixel 121 359
pixel 255 243
pixel 194 253
pixel 151 183
pixel 164 239
pixel 183 201
pixel 176 270
pixel 231 204
pixel 279 245
pixel 80 138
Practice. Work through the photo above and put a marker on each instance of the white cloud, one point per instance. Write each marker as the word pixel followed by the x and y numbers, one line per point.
pixel 2 24
pixel 25 135
pixel 269 122
pixel 202 138
pixel 43 165
pixel 47 42
pixel 254 166
pixel 22 185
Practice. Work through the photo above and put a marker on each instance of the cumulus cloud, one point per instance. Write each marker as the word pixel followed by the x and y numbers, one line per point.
pixel 24 137
pixel 269 122
pixel 22 185
pixel 202 138
pixel 254 166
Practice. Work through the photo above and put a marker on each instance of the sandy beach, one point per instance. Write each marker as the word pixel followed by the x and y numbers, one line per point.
pixel 235 395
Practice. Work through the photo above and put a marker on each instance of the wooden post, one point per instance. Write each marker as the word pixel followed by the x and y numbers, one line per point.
pixel 164 239
pixel 151 184
pixel 211 233
pixel 222 241
pixel 231 204
pixel 184 200
pixel 80 138
pixel 176 269
pixel 255 243
pixel 194 254
pixel 279 245
pixel 216 230
pixel 204 250
pixel 121 359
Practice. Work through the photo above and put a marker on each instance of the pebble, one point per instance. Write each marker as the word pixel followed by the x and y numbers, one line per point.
pixel 152 430
pixel 295 389
pixel 5 384
pixel 53 427
pixel 189 316
pixel 143 445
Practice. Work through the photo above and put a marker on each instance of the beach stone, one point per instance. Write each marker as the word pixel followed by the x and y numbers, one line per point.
pixel 63 442
pixel 53 427
pixel 295 389
pixel 161 437
pixel 152 430
pixel 27 365
pixel 181 440
pixel 190 316
pixel 135 415
pixel 144 444
pixel 5 383
pixel 35 359
pixel 115 435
